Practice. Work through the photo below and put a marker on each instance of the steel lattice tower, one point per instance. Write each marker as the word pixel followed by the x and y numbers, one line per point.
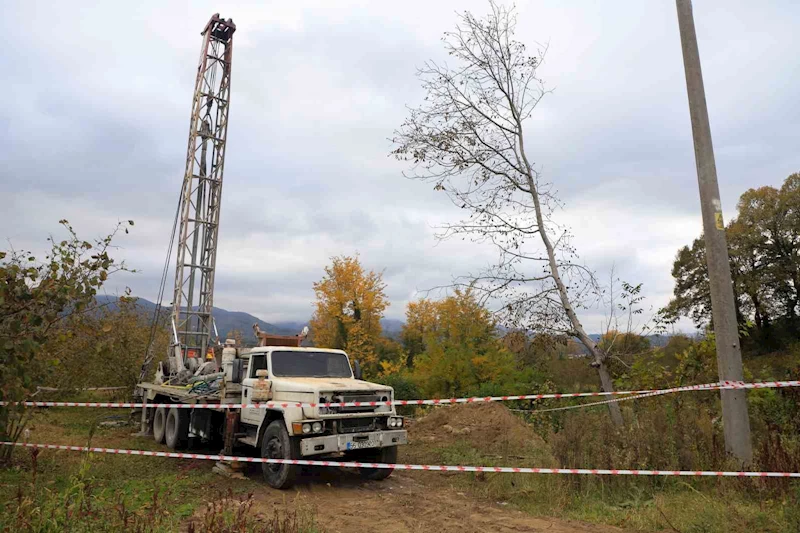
pixel 200 197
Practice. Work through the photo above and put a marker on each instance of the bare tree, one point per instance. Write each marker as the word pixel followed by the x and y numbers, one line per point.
pixel 468 138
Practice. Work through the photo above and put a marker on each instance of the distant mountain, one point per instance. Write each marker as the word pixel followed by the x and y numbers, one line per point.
pixel 656 341
pixel 392 327
pixel 291 325
pixel 226 320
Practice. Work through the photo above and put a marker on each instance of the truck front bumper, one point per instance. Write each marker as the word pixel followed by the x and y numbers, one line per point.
pixel 352 441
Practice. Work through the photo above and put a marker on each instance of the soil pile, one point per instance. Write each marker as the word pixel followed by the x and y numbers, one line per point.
pixel 489 428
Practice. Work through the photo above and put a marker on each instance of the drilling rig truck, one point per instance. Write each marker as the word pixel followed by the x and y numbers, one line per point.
pixel 199 370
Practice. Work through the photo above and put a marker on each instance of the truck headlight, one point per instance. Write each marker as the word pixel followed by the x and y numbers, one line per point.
pixel 316 427
pixel 306 428
pixel 395 422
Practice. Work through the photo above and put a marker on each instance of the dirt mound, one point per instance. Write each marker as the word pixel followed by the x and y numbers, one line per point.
pixel 489 428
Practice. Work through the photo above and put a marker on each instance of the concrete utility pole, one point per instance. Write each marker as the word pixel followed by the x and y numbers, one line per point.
pixel 729 356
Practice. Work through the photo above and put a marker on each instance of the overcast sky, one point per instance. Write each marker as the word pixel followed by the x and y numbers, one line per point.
pixel 95 121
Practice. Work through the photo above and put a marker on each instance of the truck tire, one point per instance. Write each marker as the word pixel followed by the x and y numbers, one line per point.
pixel 177 428
pixel 381 455
pixel 159 424
pixel 277 444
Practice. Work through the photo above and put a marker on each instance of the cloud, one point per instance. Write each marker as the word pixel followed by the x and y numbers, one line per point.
pixel 95 124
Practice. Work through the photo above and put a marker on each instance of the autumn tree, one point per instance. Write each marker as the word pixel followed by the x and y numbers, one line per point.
pixel 573 347
pixel 36 298
pixel 421 318
pixel 535 351
pixel 392 358
pixel 623 348
pixel 468 139
pixel 623 343
pixel 461 352
pixel 103 346
pixel 348 311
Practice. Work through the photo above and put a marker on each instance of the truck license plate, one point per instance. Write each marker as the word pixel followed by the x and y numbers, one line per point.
pixel 362 444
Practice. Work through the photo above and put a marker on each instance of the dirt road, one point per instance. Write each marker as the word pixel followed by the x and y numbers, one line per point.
pixel 339 500
pixel 344 503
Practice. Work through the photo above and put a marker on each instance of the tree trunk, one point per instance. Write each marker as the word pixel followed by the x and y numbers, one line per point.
pixel 737 307
pixel 599 362
pixel 796 299
pixel 608 386
pixel 599 357
pixel 757 312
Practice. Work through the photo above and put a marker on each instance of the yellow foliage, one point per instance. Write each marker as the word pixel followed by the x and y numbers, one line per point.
pixel 455 347
pixel 103 348
pixel 350 304
pixel 391 367
pixel 618 343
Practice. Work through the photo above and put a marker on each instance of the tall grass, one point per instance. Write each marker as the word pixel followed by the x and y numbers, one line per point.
pixel 82 504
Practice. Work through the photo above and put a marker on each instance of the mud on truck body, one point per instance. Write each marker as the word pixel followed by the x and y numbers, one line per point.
pixel 290 374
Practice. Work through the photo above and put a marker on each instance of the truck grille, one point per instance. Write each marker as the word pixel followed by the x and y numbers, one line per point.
pixel 366 398
pixel 349 397
pixel 356 425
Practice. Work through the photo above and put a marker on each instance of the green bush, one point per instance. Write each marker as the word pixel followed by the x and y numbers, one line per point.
pixel 403 385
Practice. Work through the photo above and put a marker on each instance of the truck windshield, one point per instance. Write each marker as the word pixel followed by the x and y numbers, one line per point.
pixel 310 365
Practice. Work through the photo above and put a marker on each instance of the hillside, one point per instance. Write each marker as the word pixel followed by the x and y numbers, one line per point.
pixel 226 320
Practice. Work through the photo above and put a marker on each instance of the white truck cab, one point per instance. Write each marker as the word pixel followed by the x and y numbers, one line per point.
pixel 281 374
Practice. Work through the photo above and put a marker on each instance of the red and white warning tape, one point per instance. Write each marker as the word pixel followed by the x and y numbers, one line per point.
pixel 432 468
pixel 591 404
pixel 723 385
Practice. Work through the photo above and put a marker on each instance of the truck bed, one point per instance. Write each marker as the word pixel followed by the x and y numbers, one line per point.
pixel 232 393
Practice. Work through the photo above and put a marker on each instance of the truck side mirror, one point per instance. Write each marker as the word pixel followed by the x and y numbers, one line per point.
pixel 356 369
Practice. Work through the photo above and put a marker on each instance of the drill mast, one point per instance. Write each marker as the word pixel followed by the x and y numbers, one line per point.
pixel 199 209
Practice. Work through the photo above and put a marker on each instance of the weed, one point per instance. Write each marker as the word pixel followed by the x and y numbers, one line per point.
pixel 229 513
pixel 81 506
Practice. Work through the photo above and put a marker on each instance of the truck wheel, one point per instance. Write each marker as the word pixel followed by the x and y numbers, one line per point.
pixel 159 424
pixel 382 455
pixel 177 428
pixel 276 444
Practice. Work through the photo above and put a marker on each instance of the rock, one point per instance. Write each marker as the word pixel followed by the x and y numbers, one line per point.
pixel 226 469
pixel 113 423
